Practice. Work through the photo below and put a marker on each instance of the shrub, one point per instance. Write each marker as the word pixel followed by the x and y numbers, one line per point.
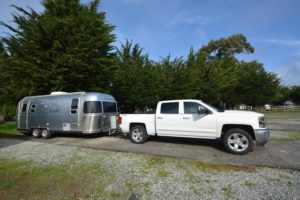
pixel 8 111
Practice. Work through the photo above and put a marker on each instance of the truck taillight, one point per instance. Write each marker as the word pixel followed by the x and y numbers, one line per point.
pixel 119 120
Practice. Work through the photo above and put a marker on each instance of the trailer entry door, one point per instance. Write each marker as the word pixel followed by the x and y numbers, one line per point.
pixel 73 118
pixel 23 115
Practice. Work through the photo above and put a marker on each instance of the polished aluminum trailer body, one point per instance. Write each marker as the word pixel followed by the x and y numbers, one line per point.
pixel 79 112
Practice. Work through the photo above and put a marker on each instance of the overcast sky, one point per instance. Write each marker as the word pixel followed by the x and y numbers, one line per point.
pixel 164 27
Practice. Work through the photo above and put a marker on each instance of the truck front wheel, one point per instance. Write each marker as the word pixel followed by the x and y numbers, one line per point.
pixel 138 134
pixel 238 141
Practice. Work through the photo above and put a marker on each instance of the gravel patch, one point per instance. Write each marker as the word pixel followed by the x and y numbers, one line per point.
pixel 151 177
pixel 39 153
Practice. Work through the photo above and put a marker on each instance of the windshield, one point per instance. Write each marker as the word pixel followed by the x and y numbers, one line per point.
pixel 216 109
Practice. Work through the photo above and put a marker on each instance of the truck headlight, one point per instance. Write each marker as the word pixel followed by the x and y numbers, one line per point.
pixel 261 122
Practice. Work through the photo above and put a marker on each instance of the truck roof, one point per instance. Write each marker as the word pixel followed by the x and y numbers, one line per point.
pixel 172 100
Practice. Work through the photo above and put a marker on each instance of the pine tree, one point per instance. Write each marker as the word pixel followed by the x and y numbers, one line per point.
pixel 255 85
pixel 67 47
pixel 137 81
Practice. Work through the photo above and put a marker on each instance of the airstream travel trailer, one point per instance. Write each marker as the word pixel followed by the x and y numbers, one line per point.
pixel 79 112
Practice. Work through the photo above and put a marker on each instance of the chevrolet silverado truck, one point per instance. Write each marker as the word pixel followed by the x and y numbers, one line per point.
pixel 238 130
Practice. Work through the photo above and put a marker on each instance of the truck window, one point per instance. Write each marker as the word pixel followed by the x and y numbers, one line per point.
pixel 191 107
pixel 169 108
pixel 24 107
pixel 92 107
pixel 109 107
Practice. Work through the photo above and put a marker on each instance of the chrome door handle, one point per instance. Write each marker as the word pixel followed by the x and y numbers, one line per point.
pixel 185 118
pixel 159 117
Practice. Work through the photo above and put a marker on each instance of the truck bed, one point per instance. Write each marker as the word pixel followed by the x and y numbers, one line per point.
pixel 146 119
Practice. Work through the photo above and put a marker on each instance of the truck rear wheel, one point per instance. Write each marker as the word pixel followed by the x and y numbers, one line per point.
pixel 138 134
pixel 46 134
pixel 238 141
pixel 36 133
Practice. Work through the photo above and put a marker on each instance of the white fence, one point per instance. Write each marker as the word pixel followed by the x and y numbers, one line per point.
pixel 278 109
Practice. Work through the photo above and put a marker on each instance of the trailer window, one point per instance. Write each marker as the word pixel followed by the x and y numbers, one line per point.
pixel 92 107
pixel 109 107
pixel 169 108
pixel 74 104
pixel 33 107
pixel 24 107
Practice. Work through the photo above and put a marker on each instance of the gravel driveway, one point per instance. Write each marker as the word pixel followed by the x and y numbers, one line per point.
pixel 152 177
pixel 281 154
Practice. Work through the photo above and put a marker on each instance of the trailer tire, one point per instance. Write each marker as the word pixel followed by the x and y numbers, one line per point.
pixel 36 133
pixel 46 134
pixel 138 134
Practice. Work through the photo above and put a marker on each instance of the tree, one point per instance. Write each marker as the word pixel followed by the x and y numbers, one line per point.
pixel 176 82
pixel 6 108
pixel 256 86
pixel 295 94
pixel 226 47
pixel 283 94
pixel 136 83
pixel 214 68
pixel 3 85
pixel 67 47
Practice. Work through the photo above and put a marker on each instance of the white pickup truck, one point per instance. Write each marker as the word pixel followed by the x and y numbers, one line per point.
pixel 195 119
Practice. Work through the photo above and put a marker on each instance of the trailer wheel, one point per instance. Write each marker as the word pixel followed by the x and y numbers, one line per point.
pixel 138 134
pixel 36 133
pixel 46 134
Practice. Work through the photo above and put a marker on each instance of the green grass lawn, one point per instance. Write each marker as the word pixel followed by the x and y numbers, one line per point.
pixel 9 128
pixel 285 135
pixel 271 113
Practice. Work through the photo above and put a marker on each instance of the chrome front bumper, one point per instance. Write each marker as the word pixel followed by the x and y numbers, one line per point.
pixel 262 136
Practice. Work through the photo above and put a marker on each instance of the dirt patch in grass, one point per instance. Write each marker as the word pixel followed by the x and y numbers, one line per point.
pixel 204 166
pixel 22 179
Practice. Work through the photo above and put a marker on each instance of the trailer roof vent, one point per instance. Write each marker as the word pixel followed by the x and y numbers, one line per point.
pixel 58 93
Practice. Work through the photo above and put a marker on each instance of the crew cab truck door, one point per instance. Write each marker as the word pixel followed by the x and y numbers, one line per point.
pixel 168 120
pixel 198 124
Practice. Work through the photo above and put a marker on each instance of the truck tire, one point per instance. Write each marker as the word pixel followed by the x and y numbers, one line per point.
pixel 36 133
pixel 138 134
pixel 238 141
pixel 46 134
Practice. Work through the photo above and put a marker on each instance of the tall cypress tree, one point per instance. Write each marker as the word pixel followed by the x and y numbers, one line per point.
pixel 66 47
pixel 136 84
